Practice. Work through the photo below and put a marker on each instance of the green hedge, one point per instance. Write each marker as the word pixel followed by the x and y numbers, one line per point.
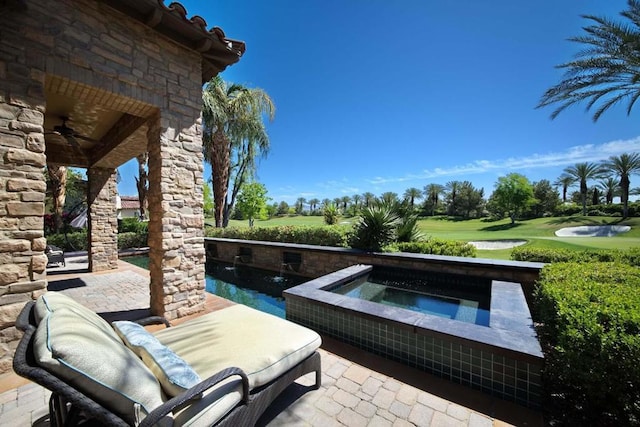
pixel 629 256
pixel 436 247
pixel 72 242
pixel 132 225
pixel 590 333
pixel 132 240
pixel 308 235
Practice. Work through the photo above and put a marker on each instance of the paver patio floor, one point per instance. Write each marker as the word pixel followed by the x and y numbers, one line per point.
pixel 358 389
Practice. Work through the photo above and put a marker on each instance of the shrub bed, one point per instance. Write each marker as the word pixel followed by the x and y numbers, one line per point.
pixel 590 333
pixel 306 235
pixel 629 256
pixel 436 247
pixel 132 240
pixel 72 242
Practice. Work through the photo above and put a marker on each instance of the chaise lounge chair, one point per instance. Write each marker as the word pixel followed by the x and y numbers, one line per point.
pixel 55 255
pixel 222 368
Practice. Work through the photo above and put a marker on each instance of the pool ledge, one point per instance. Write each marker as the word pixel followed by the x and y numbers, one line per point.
pixel 511 331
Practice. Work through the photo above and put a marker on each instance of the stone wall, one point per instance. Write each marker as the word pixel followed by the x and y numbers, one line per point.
pixel 320 260
pixel 87 51
pixel 103 221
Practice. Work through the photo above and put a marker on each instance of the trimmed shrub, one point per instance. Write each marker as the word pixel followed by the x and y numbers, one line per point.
pixel 437 247
pixel 590 333
pixel 132 225
pixel 72 242
pixel 630 256
pixel 328 235
pixel 132 240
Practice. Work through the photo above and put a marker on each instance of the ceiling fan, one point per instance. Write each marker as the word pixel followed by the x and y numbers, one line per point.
pixel 68 133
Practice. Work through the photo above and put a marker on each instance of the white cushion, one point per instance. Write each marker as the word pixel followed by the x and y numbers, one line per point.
pixel 175 375
pixel 96 363
pixel 262 345
pixel 52 301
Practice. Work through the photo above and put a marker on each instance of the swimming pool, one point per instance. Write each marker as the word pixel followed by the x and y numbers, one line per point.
pixel 468 301
pixel 254 287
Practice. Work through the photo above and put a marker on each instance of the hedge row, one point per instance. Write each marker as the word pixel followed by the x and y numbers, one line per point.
pixel 436 247
pixel 324 235
pixel 79 241
pixel 590 332
pixel 629 256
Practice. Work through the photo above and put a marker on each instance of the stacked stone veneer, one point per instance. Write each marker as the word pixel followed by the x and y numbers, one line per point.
pixel 103 220
pixel 94 53
pixel 22 242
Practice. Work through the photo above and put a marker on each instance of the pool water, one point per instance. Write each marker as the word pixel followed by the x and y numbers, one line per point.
pixel 423 295
pixel 256 288
pixel 253 287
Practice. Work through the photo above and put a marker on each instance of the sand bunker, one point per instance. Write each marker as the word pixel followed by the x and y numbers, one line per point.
pixel 593 231
pixel 492 245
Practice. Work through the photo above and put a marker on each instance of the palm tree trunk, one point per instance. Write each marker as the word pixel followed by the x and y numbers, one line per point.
pixel 583 193
pixel 142 183
pixel 220 165
pixel 624 185
pixel 58 176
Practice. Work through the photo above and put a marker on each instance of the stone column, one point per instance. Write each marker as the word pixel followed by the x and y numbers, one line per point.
pixel 103 221
pixel 22 242
pixel 176 219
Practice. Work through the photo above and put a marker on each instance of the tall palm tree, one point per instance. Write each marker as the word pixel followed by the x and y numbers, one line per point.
pixel 368 198
pixel 313 203
pixel 583 172
pixel 610 186
pixel 300 204
pixel 142 181
pixel 606 71
pixel 356 198
pixel 452 187
pixel 432 192
pixel 623 166
pixel 58 179
pixel 565 181
pixel 411 194
pixel 231 114
pixel 345 200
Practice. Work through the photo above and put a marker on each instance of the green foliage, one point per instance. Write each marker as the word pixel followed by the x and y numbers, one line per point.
pixel 376 228
pixel 308 235
pixel 252 201
pixel 567 209
pixel 207 195
pixel 331 214
pixel 436 247
pixel 132 225
pixel 512 195
pixel 630 256
pixel 590 332
pixel 132 240
pixel 72 242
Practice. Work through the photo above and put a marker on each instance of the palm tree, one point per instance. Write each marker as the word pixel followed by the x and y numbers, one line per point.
pixel 389 198
pixel 565 181
pixel 313 203
pixel 368 198
pixel 345 200
pixel 623 166
pixel 142 181
pixel 232 114
pixel 610 187
pixel 300 204
pixel 452 187
pixel 411 194
pixel 606 71
pixel 58 179
pixel 356 198
pixel 583 172
pixel 432 192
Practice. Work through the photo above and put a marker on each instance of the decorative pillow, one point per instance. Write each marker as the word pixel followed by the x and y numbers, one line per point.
pixel 175 375
pixel 92 361
pixel 52 301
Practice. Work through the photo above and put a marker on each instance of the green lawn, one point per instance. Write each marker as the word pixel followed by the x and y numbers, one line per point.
pixel 538 232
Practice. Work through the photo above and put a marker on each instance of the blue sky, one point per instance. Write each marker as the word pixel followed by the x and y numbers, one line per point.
pixel 379 96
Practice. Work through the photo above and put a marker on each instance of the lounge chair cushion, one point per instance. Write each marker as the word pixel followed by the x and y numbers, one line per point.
pixel 262 345
pixel 53 301
pixel 174 374
pixel 101 366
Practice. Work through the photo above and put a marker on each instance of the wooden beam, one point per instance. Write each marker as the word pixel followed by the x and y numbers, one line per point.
pixel 121 130
pixel 66 156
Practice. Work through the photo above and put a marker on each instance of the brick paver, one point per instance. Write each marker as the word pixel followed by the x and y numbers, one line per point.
pixel 351 394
